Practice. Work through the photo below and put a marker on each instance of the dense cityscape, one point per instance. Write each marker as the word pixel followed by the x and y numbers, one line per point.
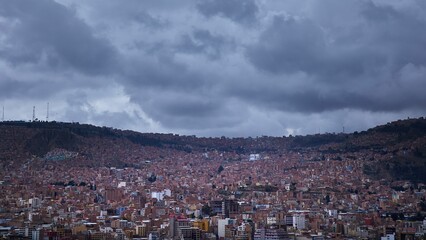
pixel 72 181
pixel 213 119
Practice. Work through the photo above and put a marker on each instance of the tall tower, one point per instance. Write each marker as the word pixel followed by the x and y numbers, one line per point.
pixel 33 113
pixel 47 113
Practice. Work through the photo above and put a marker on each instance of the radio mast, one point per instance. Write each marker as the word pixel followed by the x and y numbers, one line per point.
pixel 47 112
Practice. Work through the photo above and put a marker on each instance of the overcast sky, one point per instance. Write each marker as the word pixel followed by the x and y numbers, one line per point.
pixel 215 67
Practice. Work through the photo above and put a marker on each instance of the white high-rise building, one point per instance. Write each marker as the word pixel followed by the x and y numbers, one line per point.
pixel 34 202
pixel 299 221
pixel 160 195
pixel 35 234
pixel 221 226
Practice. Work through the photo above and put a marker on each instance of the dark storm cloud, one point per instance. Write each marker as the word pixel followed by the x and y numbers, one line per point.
pixel 282 68
pixel 10 88
pixel 160 72
pixel 288 45
pixel 46 29
pixel 44 87
pixel 240 11
pixel 401 33
pixel 363 72
pixel 171 93
pixel 109 13
pixel 202 41
pixel 200 110
pixel 148 20
pixel 306 100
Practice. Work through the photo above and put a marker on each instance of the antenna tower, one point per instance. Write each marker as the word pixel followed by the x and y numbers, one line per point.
pixel 33 113
pixel 47 113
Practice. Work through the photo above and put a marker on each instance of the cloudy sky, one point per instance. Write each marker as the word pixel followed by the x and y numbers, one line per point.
pixel 215 67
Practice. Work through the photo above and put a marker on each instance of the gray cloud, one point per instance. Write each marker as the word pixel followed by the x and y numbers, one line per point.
pixel 212 68
pixel 148 20
pixel 289 45
pixel 47 31
pixel 358 70
pixel 240 11
pixel 202 41
pixel 200 111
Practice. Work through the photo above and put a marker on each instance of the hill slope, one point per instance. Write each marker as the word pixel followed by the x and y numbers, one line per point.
pixel 395 151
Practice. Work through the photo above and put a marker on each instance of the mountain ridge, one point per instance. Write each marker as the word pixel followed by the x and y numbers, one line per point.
pixel 401 144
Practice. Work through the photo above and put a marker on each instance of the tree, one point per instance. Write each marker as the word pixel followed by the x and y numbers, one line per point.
pixel 152 178
pixel 206 209
pixel 220 169
pixel 327 199
pixel 60 183
pixel 423 205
